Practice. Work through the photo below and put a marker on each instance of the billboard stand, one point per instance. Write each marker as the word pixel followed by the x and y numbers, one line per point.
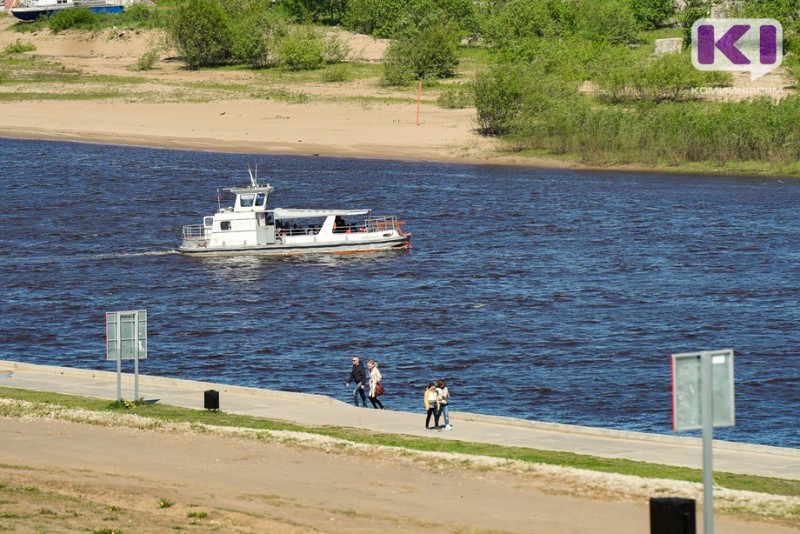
pixel 126 339
pixel 702 398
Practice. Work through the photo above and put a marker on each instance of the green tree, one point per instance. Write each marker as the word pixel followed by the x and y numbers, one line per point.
pixel 517 20
pixel 653 14
pixel 392 18
pixel 256 31
pixel 200 31
pixel 609 21
pixel 694 9
pixel 426 54
pixel 499 92
pixel 328 11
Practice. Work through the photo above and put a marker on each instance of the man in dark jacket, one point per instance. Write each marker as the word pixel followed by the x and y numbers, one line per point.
pixel 359 376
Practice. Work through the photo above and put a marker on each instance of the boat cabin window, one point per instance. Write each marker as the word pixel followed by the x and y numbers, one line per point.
pixel 246 200
pixel 208 222
pixel 260 199
pixel 224 225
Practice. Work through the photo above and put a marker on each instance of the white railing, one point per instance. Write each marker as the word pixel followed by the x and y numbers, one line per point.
pixel 194 232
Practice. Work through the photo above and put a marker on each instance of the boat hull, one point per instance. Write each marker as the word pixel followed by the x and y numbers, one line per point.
pixel 28 14
pixel 292 250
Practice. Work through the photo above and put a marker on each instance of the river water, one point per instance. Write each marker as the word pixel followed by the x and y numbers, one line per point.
pixel 551 295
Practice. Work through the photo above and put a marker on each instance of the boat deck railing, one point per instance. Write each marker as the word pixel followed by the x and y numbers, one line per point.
pixel 194 232
pixel 380 224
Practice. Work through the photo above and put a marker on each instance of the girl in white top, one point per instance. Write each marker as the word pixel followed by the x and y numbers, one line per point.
pixel 443 396
pixel 374 379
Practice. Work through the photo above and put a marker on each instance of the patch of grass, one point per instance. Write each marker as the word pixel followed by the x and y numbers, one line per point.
pixel 769 485
pixel 165 503
pixel 283 95
pixel 457 97
pixel 18 47
pixel 197 515
pixel 336 73
pixel 16 97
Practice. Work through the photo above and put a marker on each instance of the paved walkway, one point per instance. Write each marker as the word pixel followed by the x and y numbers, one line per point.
pixel 317 410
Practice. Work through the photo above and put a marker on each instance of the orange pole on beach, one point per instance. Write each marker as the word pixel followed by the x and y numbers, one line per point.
pixel 419 95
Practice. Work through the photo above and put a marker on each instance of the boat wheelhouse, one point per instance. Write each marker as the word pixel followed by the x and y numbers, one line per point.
pixel 250 227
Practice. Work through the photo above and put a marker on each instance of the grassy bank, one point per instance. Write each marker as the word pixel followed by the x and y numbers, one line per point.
pixel 172 414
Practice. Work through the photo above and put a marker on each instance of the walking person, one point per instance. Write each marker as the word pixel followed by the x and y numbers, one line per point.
pixel 359 376
pixel 375 386
pixel 443 396
pixel 431 407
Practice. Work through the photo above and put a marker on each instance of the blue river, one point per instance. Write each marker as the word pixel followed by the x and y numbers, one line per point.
pixel 551 295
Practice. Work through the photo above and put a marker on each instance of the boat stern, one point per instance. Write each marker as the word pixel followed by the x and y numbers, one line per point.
pixel 195 238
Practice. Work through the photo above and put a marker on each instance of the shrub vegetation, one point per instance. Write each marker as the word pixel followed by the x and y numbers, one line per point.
pixel 426 54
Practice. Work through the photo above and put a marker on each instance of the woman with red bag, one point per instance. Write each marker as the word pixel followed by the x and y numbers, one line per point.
pixel 375 386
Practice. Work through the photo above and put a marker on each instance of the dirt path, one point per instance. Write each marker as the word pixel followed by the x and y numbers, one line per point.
pixel 58 476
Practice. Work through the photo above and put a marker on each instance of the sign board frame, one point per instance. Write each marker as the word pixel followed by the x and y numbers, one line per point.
pixel 687 385
pixel 126 339
pixel 126 335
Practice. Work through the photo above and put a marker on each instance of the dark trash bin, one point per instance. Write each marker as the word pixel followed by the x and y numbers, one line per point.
pixel 672 515
pixel 211 399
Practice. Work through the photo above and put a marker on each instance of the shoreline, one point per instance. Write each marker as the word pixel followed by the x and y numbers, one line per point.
pixel 377 152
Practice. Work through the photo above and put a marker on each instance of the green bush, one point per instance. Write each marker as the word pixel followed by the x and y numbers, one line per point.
pixel 18 47
pixel 458 97
pixel 427 54
pixel 694 9
pixel 329 11
pixel 74 18
pixel 499 92
pixel 621 76
pixel 665 133
pixel 652 14
pixel 142 16
pixel 336 49
pixel 337 73
pixel 393 18
pixel 147 60
pixel 374 17
pixel 256 32
pixel 791 68
pixel 200 31
pixel 608 21
pixel 302 49
pixel 519 20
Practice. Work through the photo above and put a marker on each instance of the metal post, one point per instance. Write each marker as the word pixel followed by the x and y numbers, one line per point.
pixel 118 344
pixel 708 438
pixel 136 358
pixel 119 370
pixel 136 378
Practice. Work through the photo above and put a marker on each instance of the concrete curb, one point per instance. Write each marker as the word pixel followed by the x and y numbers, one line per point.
pixel 193 385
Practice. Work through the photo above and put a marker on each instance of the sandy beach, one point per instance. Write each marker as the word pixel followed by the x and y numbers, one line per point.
pixel 176 108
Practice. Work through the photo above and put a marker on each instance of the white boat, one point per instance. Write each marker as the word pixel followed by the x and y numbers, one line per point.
pixel 28 10
pixel 248 227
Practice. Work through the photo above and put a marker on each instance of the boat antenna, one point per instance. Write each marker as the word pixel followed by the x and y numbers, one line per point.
pixel 253 177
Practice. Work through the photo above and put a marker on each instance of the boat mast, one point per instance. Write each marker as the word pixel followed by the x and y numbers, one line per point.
pixel 253 177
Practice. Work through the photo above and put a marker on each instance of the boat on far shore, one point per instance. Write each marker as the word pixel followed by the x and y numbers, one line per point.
pixel 29 10
pixel 248 227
